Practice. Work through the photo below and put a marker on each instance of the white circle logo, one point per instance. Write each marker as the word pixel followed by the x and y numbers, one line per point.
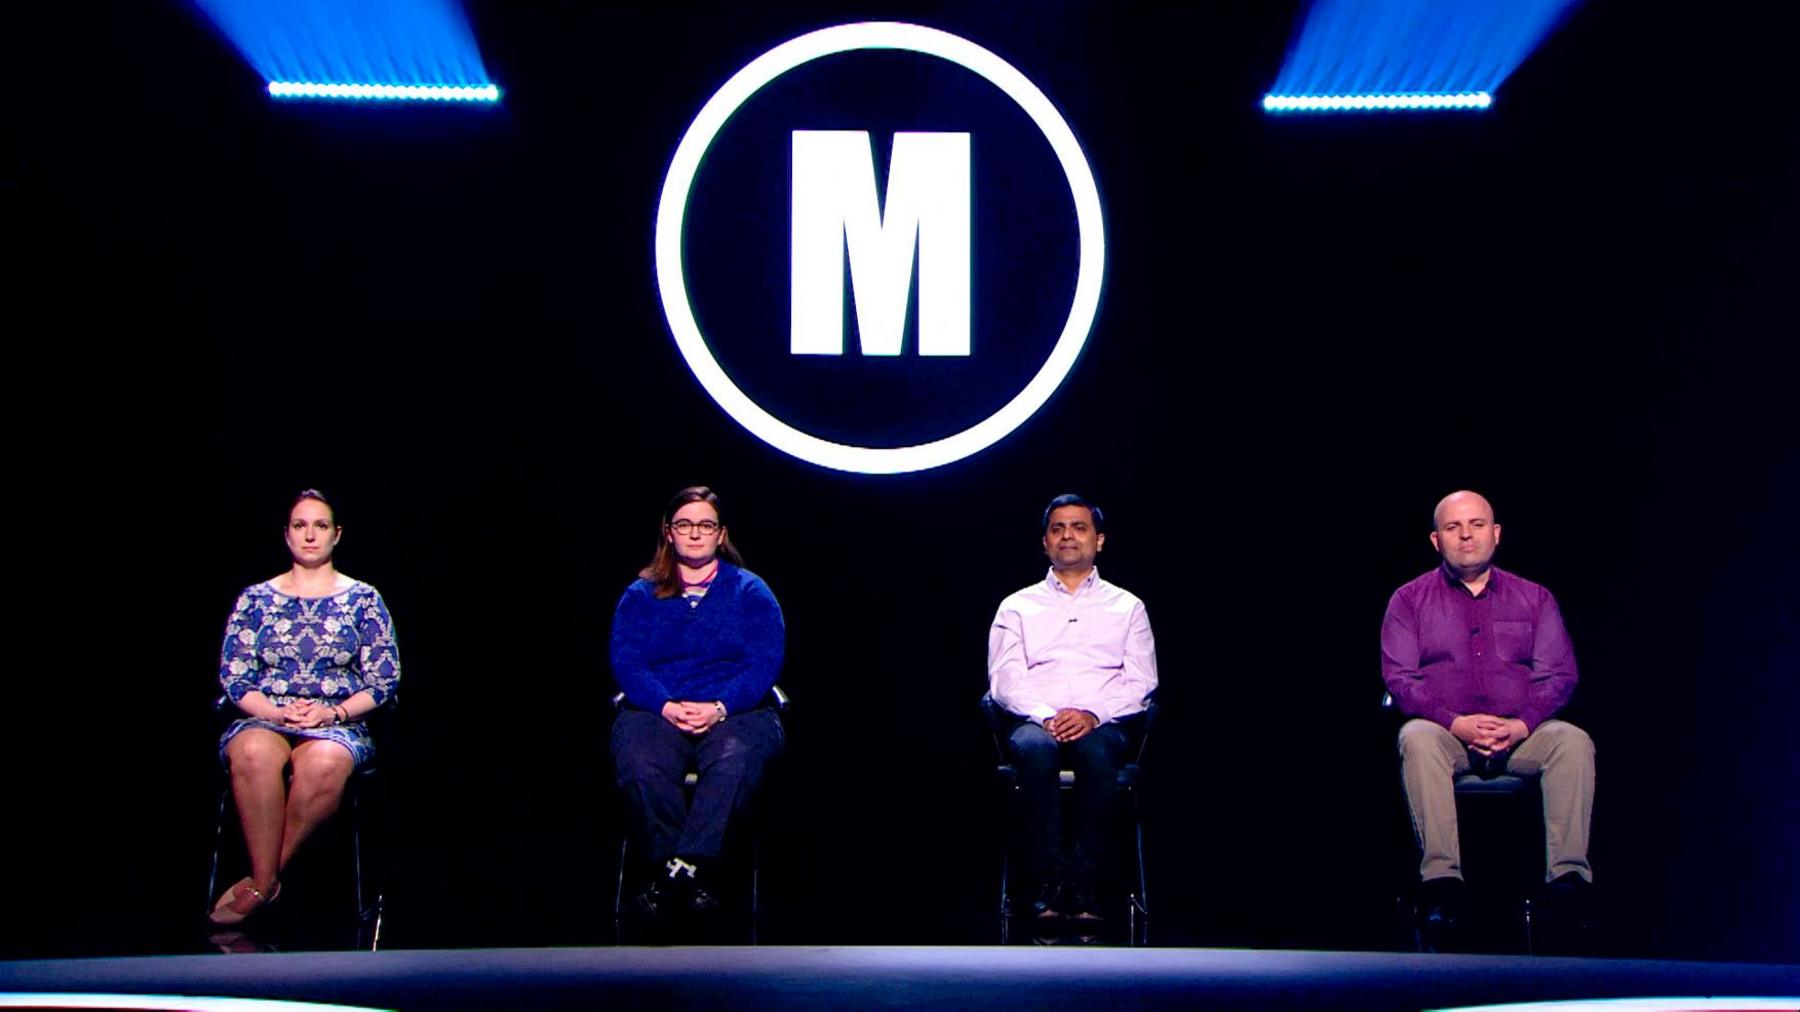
pixel 672 282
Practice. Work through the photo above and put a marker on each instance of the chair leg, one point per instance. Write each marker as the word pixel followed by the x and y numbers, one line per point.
pixel 1005 894
pixel 375 927
pixel 1007 840
pixel 1140 903
pixel 356 855
pixel 212 878
pixel 619 888
pixel 755 883
pixel 1408 913
pixel 369 910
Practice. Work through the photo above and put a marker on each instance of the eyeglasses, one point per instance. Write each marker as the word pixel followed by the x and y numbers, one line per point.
pixel 686 527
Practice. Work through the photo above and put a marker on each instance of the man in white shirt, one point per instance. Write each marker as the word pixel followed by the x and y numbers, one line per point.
pixel 1071 660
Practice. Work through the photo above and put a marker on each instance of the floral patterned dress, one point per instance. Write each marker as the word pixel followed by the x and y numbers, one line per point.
pixel 324 648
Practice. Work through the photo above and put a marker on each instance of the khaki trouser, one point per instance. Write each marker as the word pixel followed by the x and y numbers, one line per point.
pixel 1558 753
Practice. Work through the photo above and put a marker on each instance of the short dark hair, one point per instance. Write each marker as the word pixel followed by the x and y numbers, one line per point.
pixel 1071 499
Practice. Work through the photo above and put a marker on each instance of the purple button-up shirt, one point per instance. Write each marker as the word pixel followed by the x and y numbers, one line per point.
pixel 1446 652
pixel 1089 649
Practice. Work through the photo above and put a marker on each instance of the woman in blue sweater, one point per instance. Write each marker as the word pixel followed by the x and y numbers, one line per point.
pixel 696 643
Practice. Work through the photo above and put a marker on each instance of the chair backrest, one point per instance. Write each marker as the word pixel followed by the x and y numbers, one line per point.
pixel 1151 709
pixel 996 717
pixel 777 696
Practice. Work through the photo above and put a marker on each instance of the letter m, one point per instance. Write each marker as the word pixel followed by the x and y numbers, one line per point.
pixel 835 211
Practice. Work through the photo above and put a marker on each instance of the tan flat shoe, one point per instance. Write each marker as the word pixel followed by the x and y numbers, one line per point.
pixel 240 901
pixel 234 941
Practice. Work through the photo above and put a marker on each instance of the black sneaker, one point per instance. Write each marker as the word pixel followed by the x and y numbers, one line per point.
pixel 1048 904
pixel 689 895
pixel 654 900
pixel 701 902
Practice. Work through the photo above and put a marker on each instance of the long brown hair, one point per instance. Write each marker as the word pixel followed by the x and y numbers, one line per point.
pixel 661 570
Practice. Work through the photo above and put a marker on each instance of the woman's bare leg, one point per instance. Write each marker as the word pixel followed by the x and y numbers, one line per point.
pixel 258 757
pixel 321 769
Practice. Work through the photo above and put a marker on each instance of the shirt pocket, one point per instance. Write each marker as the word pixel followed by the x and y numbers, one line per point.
pixel 1513 641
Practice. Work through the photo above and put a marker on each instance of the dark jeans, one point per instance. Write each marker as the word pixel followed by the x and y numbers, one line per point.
pixel 652 758
pixel 1095 760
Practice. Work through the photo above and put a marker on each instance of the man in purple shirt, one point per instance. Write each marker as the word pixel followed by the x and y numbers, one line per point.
pixel 1071 660
pixel 1480 660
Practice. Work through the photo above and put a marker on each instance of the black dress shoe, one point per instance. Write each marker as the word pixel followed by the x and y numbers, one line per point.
pixel 1442 898
pixel 1440 910
pixel 1566 911
pixel 1568 897
pixel 1570 885
pixel 1048 905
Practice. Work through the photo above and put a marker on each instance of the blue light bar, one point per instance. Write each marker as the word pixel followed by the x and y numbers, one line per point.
pixel 1408 55
pixel 358 50
pixel 386 92
pixel 1401 102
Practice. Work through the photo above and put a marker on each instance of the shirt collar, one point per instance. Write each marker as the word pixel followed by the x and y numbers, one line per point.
pixel 1495 578
pixel 1056 585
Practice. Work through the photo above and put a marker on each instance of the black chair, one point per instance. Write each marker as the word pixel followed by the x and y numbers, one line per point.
pixel 1502 810
pixel 363 786
pixel 778 699
pixel 1130 782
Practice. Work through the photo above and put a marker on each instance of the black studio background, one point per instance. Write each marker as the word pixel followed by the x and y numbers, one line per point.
pixel 1580 303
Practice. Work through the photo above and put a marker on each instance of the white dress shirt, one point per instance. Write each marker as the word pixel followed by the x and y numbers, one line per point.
pixel 1089 649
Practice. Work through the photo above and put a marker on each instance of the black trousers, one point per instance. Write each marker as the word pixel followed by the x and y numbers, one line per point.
pixel 652 758
pixel 1095 760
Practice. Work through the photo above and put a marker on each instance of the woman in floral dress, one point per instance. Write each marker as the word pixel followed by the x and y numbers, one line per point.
pixel 307 656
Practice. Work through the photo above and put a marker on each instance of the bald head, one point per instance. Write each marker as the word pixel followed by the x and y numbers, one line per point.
pixel 1464 533
pixel 1460 502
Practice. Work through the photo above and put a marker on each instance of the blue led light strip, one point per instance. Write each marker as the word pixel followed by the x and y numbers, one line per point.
pixel 1400 102
pixel 386 92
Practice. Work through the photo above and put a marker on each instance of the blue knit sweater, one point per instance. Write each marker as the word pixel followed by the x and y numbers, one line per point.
pixel 727 648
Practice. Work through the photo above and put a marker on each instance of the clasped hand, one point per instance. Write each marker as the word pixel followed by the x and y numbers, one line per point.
pixel 1487 734
pixel 1071 724
pixel 308 713
pixel 692 718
